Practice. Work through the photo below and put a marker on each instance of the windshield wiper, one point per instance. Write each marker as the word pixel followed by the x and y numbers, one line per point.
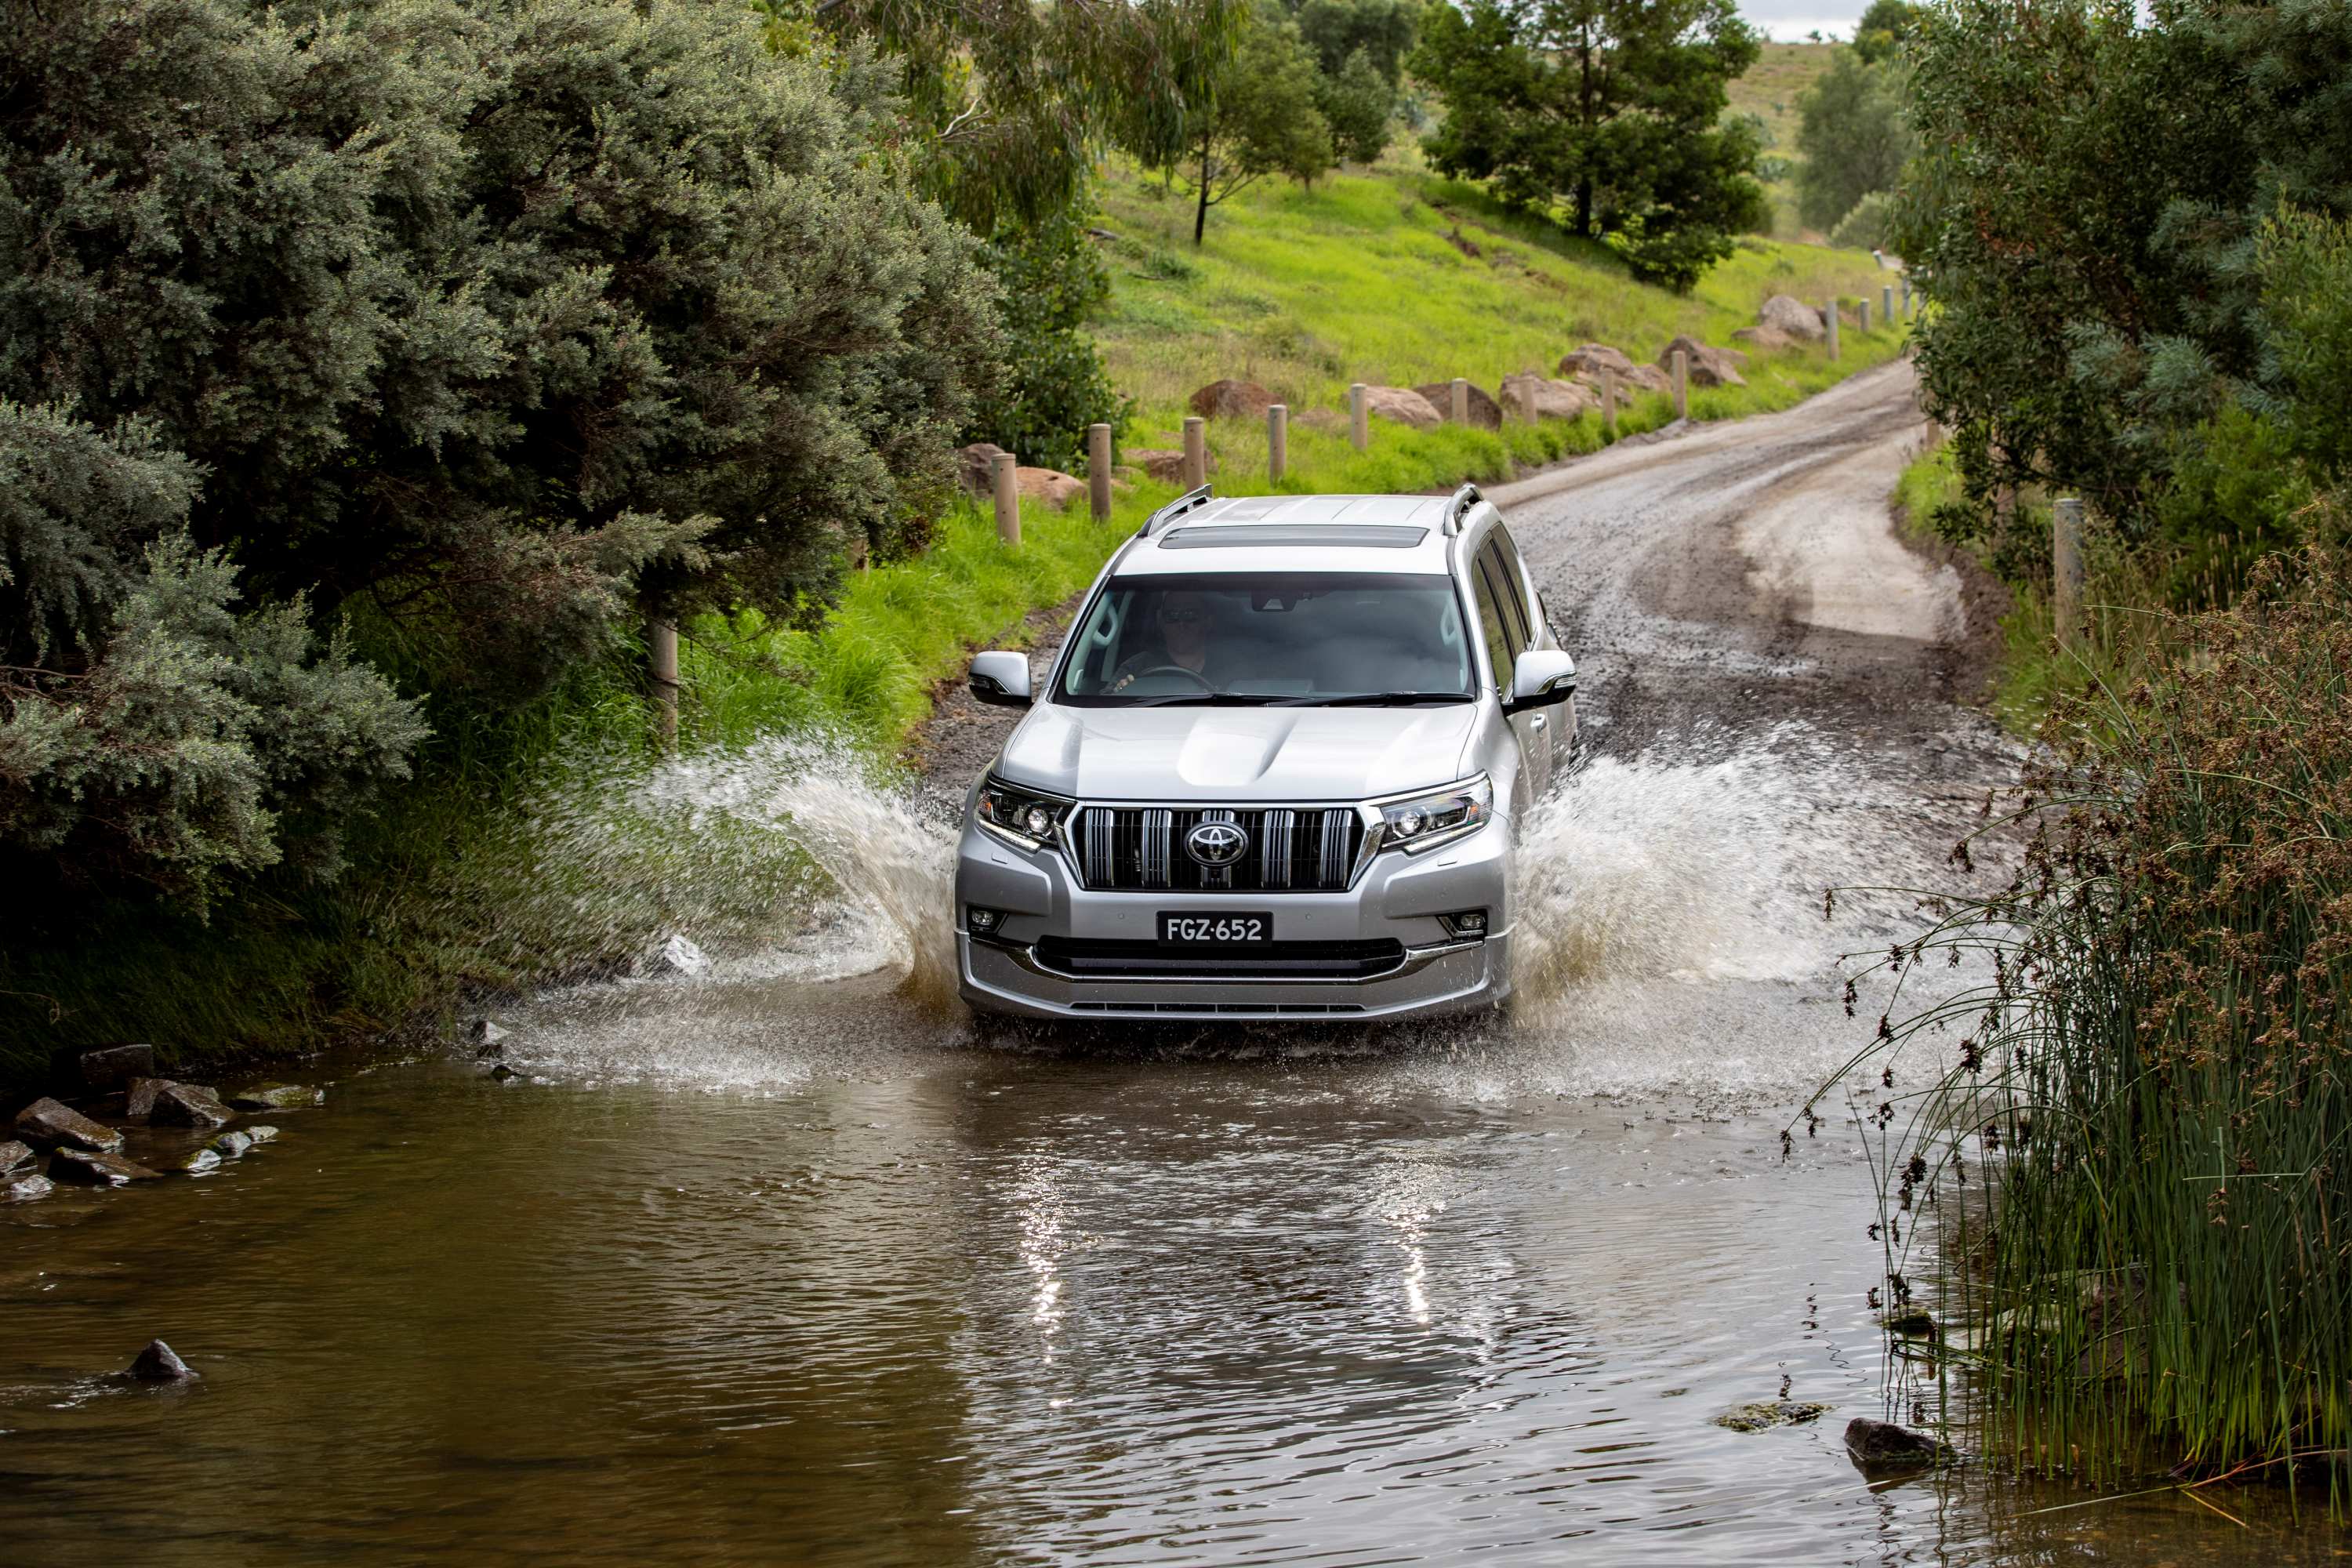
pixel 1207 700
pixel 1375 699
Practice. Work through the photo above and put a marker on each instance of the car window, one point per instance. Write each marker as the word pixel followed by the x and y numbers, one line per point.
pixel 1506 595
pixel 1514 577
pixel 1491 622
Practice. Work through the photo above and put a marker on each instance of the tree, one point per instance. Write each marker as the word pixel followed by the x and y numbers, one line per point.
pixel 1865 227
pixel 1383 30
pixel 1358 104
pixel 1855 136
pixel 1612 107
pixel 1883 28
pixel 1257 117
pixel 1054 385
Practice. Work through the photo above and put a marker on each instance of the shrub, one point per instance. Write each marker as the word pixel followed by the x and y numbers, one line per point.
pixel 1054 385
pixel 1865 227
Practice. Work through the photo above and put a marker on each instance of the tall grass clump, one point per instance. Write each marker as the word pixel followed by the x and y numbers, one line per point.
pixel 2153 1079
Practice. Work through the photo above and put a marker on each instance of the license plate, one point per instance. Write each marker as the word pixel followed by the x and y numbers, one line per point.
pixel 1209 929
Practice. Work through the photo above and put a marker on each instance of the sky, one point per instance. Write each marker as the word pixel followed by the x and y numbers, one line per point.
pixel 1789 20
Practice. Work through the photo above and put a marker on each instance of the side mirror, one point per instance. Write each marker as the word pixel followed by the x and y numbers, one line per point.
pixel 1001 680
pixel 1541 678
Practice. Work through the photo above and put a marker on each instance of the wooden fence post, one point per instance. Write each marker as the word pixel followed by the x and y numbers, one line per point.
pixel 661 644
pixel 1865 308
pixel 1682 383
pixel 1608 403
pixel 1098 470
pixel 1007 485
pixel 2067 572
pixel 1359 419
pixel 1458 409
pixel 1886 302
pixel 1277 441
pixel 1830 316
pixel 1196 452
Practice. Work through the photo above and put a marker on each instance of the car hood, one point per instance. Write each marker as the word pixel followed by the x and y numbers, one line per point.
pixel 1238 753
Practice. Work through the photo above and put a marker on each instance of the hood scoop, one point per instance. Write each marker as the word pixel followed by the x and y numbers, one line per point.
pixel 1228 756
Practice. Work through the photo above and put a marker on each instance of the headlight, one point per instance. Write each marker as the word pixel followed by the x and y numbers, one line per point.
pixel 1022 816
pixel 1426 821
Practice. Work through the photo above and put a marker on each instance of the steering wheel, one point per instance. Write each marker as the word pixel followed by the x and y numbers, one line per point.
pixel 1194 676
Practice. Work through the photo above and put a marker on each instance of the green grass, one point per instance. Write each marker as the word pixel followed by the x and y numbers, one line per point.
pixel 1770 90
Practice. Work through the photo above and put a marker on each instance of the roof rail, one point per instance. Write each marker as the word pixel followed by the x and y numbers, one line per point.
pixel 1459 508
pixel 1173 510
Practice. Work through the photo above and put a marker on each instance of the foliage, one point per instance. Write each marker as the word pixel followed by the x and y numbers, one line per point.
pixel 1865 227
pixel 2085 213
pixel 2155 1073
pixel 1257 117
pixel 1337 31
pixel 1612 107
pixel 1883 28
pixel 1054 385
pixel 1358 102
pixel 1853 136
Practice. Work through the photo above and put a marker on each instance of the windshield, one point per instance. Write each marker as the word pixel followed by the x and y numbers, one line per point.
pixel 1302 638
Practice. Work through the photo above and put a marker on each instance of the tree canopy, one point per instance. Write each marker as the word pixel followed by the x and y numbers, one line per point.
pixel 1610 111
pixel 1256 117
pixel 1855 135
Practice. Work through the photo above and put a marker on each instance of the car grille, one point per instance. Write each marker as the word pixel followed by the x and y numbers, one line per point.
pixel 1088 958
pixel 1310 850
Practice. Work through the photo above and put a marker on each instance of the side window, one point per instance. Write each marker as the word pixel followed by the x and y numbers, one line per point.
pixel 1500 650
pixel 1515 579
pixel 1506 593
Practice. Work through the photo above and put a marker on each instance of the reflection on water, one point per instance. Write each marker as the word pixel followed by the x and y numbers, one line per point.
pixel 777 1266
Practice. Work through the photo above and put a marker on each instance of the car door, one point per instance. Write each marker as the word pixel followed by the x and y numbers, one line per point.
pixel 1502 618
pixel 1540 634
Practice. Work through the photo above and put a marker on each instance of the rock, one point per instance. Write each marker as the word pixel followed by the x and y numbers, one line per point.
pixel 157 1363
pixel 277 1097
pixel 1051 486
pixel 113 1067
pixel 85 1169
pixel 1882 1444
pixel 1792 318
pixel 261 1135
pixel 502 1072
pixel 1764 340
pixel 678 956
pixel 230 1145
pixel 46 1124
pixel 1485 414
pixel 1403 406
pixel 1708 366
pixel 1231 400
pixel 974 465
pixel 1530 394
pixel 202 1160
pixel 1592 359
pixel 13 1153
pixel 189 1105
pixel 1163 464
pixel 139 1104
pixel 23 1189
pixel 1770 1413
pixel 487 1038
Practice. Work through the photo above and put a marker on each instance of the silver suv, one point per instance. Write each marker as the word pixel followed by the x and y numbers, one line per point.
pixel 1276 772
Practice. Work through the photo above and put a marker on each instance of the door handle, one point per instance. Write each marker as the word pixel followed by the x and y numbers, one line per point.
pixel 1539 723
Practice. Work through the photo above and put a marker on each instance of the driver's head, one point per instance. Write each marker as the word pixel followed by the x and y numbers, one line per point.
pixel 1184 625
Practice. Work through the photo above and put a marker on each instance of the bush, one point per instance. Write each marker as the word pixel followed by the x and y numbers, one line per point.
pixel 1054 385
pixel 1865 227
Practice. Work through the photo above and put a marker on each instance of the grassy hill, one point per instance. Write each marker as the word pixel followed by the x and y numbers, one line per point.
pixel 1397 277
pixel 1769 93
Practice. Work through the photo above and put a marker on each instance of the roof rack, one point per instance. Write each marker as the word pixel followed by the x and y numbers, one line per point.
pixel 1175 509
pixel 1459 508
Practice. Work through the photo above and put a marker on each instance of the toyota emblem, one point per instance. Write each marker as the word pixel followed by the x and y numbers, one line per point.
pixel 1215 844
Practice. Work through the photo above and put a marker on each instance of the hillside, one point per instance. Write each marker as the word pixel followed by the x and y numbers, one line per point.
pixel 1769 92
pixel 1395 276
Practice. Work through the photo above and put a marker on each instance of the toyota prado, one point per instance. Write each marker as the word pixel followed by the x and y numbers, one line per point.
pixel 1274 774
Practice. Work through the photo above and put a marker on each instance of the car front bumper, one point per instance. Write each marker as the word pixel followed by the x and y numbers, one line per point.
pixel 1397 900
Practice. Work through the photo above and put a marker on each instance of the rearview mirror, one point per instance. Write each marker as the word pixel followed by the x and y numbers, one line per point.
pixel 999 678
pixel 1540 677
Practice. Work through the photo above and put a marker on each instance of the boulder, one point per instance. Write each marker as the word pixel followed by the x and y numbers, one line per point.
pixel 229 1145
pixel 1485 412
pixel 1165 464
pixel 85 1169
pixel 13 1153
pixel 156 1364
pixel 1592 359
pixel 1231 400
pixel 1792 318
pixel 25 1188
pixel 1051 486
pixel 1403 406
pixel 139 1104
pixel 1769 1414
pixel 199 1163
pixel 113 1067
pixel 502 1073
pixel 261 1135
pixel 47 1124
pixel 974 463
pixel 678 956
pixel 189 1105
pixel 1764 340
pixel 487 1038
pixel 1529 394
pixel 1708 366
pixel 277 1097
pixel 1882 1444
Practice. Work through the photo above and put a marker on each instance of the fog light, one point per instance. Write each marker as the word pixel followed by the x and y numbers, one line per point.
pixel 1466 923
pixel 981 920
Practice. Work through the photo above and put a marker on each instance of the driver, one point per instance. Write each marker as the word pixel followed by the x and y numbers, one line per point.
pixel 1183 621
